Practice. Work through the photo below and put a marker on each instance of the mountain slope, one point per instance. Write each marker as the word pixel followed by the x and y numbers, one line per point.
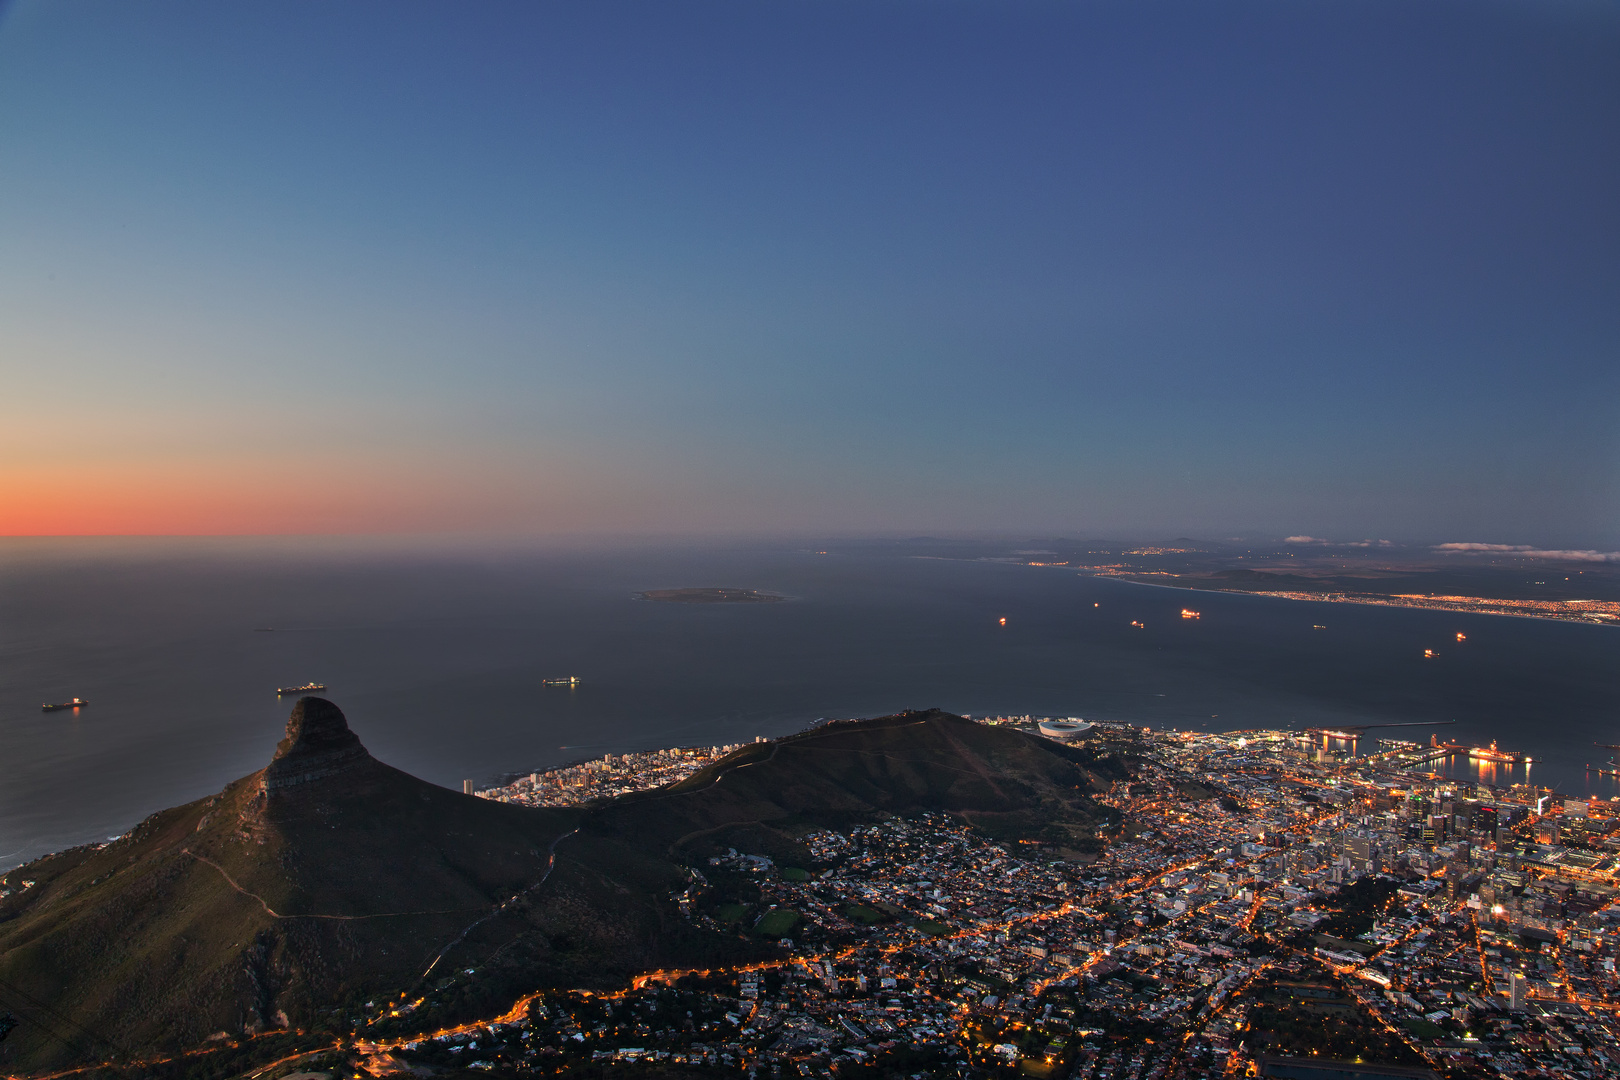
pixel 302 895
pixel 325 874
pixel 1004 781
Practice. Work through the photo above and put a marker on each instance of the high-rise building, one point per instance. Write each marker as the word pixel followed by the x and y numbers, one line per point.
pixel 466 787
pixel 1517 991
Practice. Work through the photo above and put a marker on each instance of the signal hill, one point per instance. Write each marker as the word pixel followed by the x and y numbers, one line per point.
pixel 914 894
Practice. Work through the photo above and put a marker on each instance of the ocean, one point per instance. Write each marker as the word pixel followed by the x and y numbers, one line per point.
pixel 438 658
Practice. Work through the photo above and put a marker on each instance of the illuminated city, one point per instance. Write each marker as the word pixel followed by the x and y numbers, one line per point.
pixel 816 540
pixel 1244 882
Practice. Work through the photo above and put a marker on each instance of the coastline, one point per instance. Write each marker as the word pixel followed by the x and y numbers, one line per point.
pixel 1344 598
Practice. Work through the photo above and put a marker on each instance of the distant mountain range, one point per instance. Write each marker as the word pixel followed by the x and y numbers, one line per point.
pixel 319 890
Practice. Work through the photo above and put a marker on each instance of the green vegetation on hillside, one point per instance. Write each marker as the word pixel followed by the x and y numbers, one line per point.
pixel 311 906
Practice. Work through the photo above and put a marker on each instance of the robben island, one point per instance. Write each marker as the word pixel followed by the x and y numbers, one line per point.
pixel 914 894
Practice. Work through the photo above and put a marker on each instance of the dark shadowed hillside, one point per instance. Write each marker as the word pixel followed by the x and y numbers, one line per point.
pixel 304 898
pixel 326 878
pixel 1003 781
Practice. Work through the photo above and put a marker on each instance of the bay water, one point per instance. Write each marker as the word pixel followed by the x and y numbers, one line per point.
pixel 438 657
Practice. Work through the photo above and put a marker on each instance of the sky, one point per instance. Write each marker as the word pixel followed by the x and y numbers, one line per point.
pixel 809 266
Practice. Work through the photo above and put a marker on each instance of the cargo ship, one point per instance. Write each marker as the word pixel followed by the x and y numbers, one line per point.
pixel 1491 753
pixel 76 703
pixel 566 680
pixel 1478 753
pixel 306 688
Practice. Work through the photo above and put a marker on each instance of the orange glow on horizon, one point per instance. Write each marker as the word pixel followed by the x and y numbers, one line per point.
pixel 235 499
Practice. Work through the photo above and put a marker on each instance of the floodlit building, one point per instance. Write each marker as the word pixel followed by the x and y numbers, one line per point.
pixel 1064 730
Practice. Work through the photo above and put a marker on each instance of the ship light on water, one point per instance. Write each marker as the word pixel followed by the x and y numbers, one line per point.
pixel 1188 613
pixel 1004 620
pixel 1461 636
pixel 1428 654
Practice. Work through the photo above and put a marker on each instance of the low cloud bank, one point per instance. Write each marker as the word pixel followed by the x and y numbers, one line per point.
pixel 1337 543
pixel 1525 551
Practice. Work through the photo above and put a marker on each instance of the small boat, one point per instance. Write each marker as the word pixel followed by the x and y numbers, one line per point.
pixel 76 703
pixel 306 688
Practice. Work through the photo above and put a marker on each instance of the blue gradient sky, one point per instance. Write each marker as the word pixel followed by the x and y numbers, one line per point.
pixel 1347 269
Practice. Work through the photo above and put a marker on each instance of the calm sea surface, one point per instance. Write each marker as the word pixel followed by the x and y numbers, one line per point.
pixel 438 662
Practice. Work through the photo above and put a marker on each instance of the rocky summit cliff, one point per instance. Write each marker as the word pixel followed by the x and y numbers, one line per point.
pixel 318 745
pixel 278 914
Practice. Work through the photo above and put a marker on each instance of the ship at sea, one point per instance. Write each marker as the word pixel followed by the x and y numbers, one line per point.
pixel 566 680
pixel 76 703
pixel 305 689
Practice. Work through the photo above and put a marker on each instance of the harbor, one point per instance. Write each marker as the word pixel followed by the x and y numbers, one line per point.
pixel 1408 754
pixel 1437 750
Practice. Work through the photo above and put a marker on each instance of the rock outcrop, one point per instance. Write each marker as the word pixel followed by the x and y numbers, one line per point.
pixel 318 744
